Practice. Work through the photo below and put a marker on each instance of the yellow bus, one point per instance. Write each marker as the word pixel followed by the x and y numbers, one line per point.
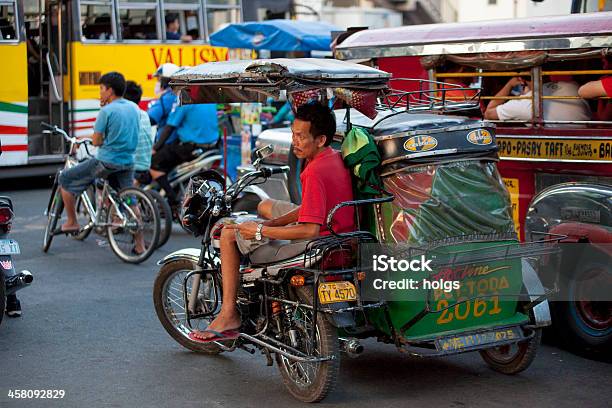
pixel 52 53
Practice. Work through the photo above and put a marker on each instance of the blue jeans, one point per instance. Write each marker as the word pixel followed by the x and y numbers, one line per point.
pixel 76 179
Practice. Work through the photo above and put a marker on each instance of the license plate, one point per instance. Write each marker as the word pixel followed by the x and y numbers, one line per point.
pixel 9 247
pixel 332 292
pixel 476 340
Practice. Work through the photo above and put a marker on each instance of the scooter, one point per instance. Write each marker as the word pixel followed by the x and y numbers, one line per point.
pixel 10 280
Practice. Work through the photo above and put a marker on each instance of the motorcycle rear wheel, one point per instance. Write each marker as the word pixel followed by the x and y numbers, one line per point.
pixel 169 305
pixel 165 217
pixel 324 374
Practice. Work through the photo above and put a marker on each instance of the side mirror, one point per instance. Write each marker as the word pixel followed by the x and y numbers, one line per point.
pixel 262 153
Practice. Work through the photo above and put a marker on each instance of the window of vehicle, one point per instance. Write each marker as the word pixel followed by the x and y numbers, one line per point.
pixel 220 12
pixel 97 20
pixel 139 20
pixel 182 20
pixel 8 22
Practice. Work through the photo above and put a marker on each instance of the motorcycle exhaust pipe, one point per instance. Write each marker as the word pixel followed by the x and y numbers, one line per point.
pixel 18 281
pixel 351 347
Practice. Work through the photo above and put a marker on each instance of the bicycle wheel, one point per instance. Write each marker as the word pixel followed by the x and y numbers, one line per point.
pixel 54 213
pixel 165 217
pixel 133 218
pixel 83 217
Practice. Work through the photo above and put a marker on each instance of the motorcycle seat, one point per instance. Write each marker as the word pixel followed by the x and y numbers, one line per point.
pixel 277 251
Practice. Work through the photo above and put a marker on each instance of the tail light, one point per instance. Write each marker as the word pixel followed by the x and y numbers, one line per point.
pixel 6 215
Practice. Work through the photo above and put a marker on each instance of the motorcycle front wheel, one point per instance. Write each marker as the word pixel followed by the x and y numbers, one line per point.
pixel 311 382
pixel 169 300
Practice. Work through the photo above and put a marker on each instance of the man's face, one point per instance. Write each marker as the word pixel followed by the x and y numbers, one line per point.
pixel 173 27
pixel 105 94
pixel 305 146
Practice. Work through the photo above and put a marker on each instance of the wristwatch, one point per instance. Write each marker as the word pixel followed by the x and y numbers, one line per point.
pixel 258 235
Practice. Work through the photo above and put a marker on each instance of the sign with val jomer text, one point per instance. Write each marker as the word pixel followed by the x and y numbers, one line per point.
pixel 555 149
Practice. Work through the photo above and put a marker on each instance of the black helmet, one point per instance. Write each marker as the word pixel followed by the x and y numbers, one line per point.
pixel 197 203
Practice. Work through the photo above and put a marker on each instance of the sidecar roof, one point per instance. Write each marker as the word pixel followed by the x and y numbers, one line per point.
pixel 253 80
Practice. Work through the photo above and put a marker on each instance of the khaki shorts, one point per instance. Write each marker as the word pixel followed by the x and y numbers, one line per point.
pixel 279 208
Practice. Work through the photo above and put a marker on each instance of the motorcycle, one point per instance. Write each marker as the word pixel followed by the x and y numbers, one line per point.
pixel 10 280
pixel 442 204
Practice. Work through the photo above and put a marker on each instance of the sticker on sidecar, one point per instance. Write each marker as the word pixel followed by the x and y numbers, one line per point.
pixel 475 340
pixel 420 143
pixel 480 137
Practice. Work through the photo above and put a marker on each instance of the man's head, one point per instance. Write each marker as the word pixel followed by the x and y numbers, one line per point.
pixel 313 129
pixel 133 92
pixel 112 86
pixel 172 22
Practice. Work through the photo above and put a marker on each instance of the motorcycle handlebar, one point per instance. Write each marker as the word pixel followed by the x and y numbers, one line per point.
pixel 269 171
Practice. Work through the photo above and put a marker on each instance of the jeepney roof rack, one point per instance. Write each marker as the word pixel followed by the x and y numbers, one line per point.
pixel 429 96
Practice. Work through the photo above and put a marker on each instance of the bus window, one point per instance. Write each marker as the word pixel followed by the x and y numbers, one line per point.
pixel 8 31
pixel 217 16
pixel 138 21
pixel 182 20
pixel 96 20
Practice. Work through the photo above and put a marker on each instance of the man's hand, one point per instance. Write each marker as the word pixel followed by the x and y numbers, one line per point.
pixel 247 229
pixel 514 81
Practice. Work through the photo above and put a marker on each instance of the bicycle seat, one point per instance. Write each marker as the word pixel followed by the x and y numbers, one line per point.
pixel 277 251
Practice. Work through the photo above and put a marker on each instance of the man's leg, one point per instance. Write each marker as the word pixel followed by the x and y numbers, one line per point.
pixel 228 318
pixel 264 209
pixel 70 207
pixel 74 181
pixel 161 163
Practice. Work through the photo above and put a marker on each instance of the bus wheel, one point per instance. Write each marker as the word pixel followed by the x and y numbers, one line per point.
pixel 584 325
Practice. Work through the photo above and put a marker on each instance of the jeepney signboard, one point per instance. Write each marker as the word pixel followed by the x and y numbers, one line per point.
pixel 555 148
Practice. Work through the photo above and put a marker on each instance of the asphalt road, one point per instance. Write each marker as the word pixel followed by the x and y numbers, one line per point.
pixel 89 328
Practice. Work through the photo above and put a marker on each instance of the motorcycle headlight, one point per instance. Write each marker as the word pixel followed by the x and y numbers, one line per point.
pixel 200 191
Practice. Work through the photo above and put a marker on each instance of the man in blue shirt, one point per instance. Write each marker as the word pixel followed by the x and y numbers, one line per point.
pixel 116 133
pixel 172 29
pixel 160 110
pixel 195 127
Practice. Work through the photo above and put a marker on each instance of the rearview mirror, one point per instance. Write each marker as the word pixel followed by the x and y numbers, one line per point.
pixel 262 153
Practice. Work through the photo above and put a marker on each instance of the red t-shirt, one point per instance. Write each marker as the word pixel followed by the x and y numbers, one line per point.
pixel 607 85
pixel 325 184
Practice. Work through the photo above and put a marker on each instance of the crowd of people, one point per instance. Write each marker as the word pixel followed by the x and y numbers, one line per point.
pixel 128 151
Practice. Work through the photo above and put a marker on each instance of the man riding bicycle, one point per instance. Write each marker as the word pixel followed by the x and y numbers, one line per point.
pixel 326 182
pixel 116 133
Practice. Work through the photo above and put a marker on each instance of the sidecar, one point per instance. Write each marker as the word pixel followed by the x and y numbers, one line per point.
pixel 450 206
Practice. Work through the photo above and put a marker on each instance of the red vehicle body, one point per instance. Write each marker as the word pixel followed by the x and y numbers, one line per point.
pixel 559 174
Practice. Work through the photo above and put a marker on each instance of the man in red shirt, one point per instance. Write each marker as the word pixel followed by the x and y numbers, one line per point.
pixel 326 182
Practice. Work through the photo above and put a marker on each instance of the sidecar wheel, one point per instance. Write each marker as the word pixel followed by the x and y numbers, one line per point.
pixel 514 358
pixel 324 375
pixel 167 294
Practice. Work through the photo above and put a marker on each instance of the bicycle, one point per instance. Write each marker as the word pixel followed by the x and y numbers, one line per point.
pixel 120 216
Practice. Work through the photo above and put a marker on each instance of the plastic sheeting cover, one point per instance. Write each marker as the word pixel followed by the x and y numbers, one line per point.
pixel 439 201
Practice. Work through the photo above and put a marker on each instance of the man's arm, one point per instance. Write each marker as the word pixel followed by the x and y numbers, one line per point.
pixel 289 218
pixel 300 231
pixel 165 134
pixel 97 139
pixel 491 112
pixel 593 89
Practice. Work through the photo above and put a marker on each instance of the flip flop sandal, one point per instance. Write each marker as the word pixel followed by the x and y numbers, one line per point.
pixel 70 231
pixel 218 336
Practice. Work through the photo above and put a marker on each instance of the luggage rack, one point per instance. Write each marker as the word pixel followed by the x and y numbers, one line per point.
pixel 431 97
